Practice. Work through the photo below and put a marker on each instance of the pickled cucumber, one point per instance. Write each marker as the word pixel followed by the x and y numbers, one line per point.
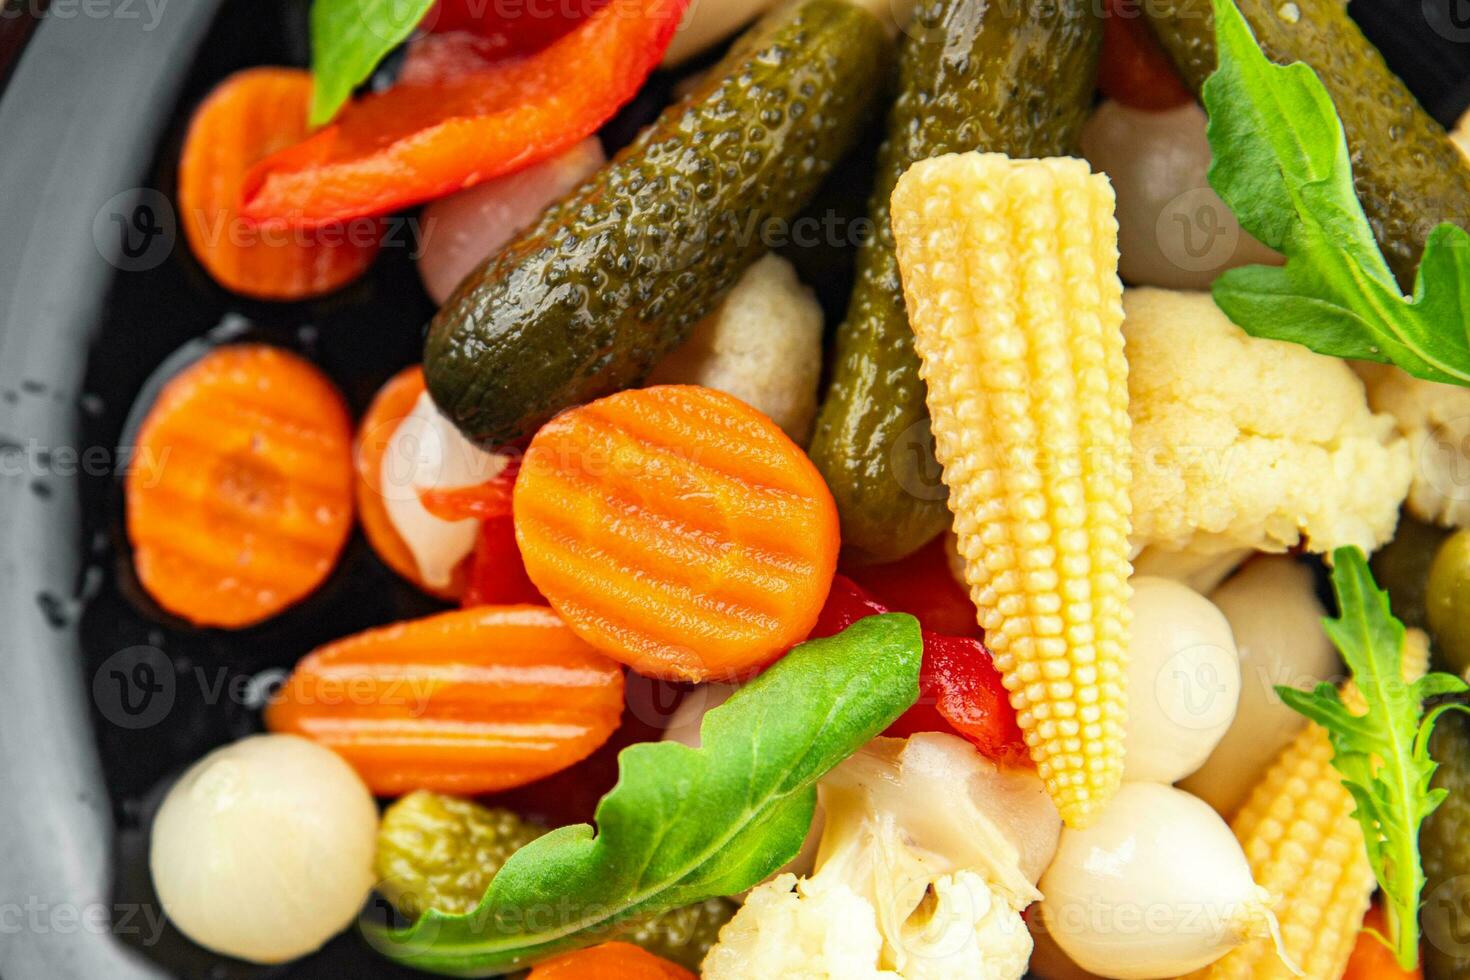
pixel 1402 568
pixel 683 935
pixel 1444 845
pixel 1014 78
pixel 440 852
pixel 613 277
pixel 1409 176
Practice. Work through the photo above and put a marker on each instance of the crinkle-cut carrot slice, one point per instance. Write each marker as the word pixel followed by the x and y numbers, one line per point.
pixel 465 702
pixel 678 530
pixel 247 117
pixel 610 961
pixel 239 498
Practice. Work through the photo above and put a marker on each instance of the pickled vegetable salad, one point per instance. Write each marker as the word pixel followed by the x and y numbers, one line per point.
pixel 907 728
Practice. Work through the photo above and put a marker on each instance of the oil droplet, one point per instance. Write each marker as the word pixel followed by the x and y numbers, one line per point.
pixel 1289 12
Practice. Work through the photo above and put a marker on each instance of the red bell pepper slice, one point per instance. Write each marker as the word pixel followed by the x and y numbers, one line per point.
pixel 923 586
pixel 1134 68
pixel 415 142
pixel 497 576
pixel 959 688
pixel 477 500
pixel 522 26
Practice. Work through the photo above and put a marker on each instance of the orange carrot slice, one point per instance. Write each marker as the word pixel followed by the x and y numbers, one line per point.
pixel 1371 959
pixel 610 961
pixel 678 530
pixel 466 702
pixel 392 404
pixel 239 498
pixel 247 117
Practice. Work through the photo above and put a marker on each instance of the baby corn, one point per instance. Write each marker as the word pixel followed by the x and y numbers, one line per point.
pixel 1010 275
pixel 1305 848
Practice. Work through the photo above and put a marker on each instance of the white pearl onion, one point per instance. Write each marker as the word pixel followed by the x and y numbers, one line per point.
pixel 1183 681
pixel 263 850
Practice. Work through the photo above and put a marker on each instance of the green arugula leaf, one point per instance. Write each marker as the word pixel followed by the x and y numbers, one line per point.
pixel 348 39
pixel 683 824
pixel 1281 162
pixel 1382 755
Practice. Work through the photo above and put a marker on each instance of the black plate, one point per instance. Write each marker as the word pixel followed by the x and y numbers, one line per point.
pixel 103 698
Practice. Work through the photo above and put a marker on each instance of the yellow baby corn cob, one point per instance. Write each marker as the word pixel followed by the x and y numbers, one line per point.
pixel 1010 273
pixel 1305 848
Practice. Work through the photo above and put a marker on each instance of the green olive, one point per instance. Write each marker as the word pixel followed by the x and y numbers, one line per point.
pixel 440 852
pixel 1447 602
pixel 1402 567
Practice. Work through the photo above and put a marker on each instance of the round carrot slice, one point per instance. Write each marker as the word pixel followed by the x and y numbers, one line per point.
pixel 247 117
pixel 465 702
pixel 610 961
pixel 678 530
pixel 392 404
pixel 239 498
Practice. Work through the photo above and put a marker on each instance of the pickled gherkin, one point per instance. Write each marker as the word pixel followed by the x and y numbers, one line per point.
pixel 1402 568
pixel 440 852
pixel 685 934
pixel 1409 176
pixel 1014 78
pixel 1444 847
pixel 613 277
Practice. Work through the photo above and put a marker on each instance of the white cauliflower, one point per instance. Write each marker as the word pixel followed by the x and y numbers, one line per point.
pixel 1434 419
pixel 928 855
pixel 1248 444
pixel 763 345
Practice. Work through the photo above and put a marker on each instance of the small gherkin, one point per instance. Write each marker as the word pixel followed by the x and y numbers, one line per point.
pixel 441 852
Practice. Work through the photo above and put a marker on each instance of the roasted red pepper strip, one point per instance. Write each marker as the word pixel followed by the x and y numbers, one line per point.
pixel 478 500
pixel 497 576
pixel 522 26
pixel 922 586
pixel 959 688
pixel 416 142
pixel 1134 69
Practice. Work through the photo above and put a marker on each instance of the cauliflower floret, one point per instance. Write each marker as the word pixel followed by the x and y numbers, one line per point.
pixel 763 345
pixel 1434 419
pixel 928 855
pixel 1243 443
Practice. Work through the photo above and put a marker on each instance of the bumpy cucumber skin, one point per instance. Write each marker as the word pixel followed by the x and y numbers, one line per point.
pixel 1013 78
pixel 440 852
pixel 683 935
pixel 1408 174
pixel 1444 846
pixel 614 276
